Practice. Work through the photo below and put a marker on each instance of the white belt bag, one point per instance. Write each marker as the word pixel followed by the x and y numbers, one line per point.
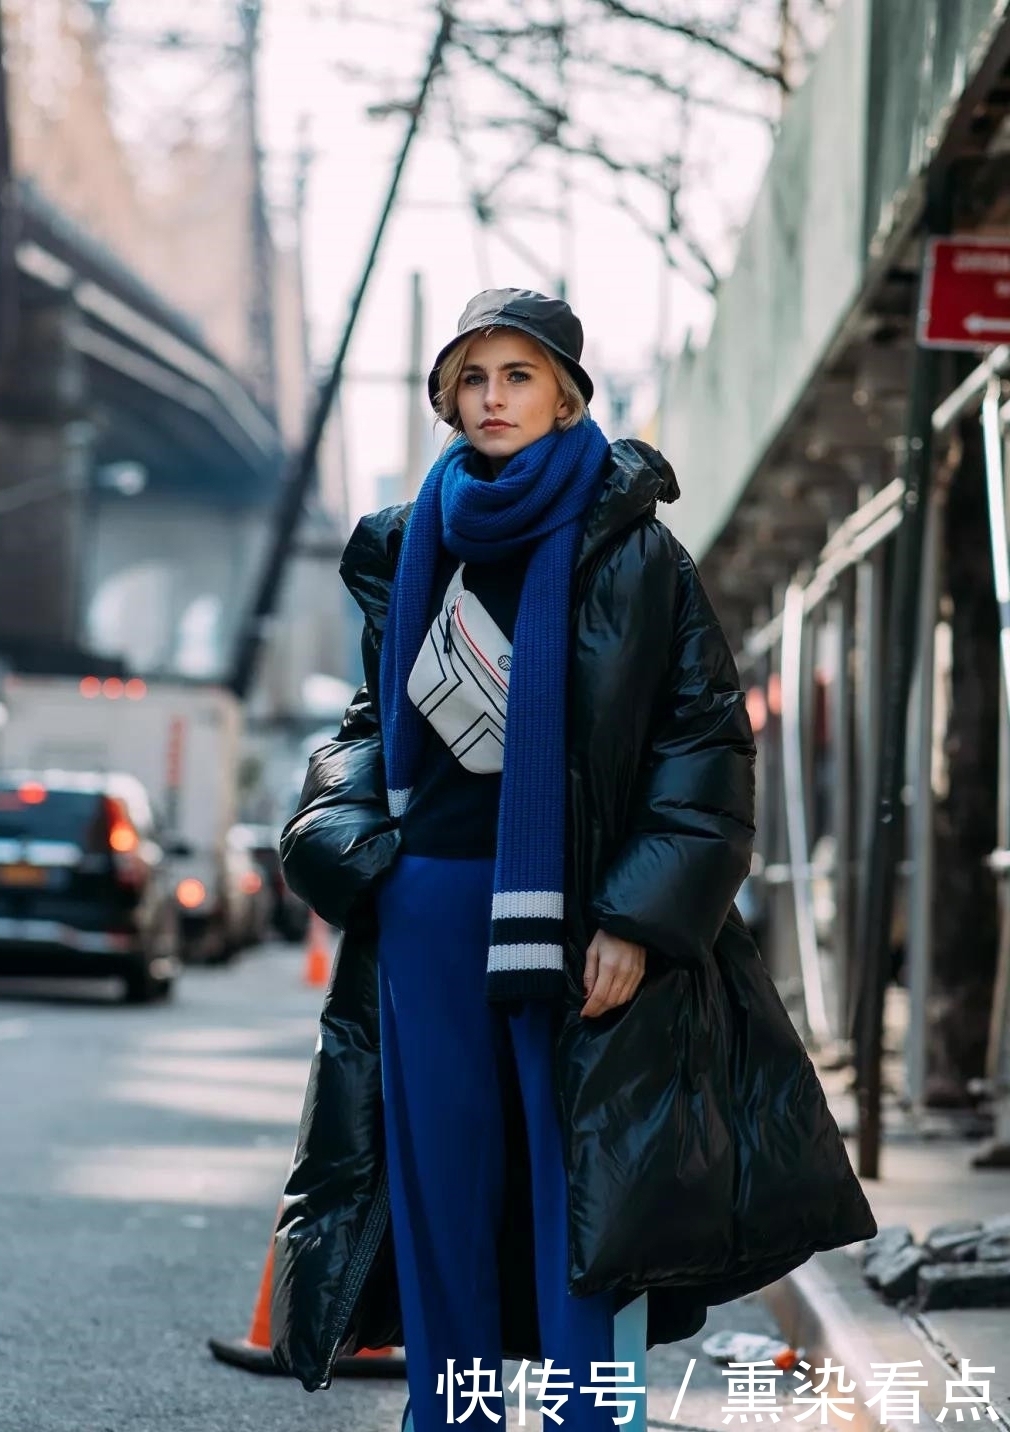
pixel 460 680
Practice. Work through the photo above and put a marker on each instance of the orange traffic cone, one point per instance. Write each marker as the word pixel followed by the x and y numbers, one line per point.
pixel 317 957
pixel 253 1352
pixel 371 1362
pixel 259 1327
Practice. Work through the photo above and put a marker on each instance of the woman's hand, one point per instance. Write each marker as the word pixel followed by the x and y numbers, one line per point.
pixel 614 970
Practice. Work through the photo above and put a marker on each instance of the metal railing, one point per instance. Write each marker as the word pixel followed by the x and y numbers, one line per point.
pixel 842 594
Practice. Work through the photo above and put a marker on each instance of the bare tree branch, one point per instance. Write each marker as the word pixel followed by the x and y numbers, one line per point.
pixel 525 35
pixel 652 174
pixel 593 150
pixel 558 81
pixel 478 201
pixel 659 82
pixel 662 238
pixel 552 117
pixel 698 35
pixel 513 167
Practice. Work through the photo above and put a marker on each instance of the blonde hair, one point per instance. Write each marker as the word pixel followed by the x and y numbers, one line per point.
pixel 452 370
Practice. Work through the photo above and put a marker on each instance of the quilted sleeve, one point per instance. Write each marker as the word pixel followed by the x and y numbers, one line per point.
pixel 689 845
pixel 342 837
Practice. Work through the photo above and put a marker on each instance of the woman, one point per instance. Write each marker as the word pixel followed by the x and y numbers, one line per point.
pixel 549 1050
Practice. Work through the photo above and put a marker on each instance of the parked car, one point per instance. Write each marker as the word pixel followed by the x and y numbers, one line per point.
pixel 288 915
pixel 181 739
pixel 84 885
pixel 223 916
pixel 247 885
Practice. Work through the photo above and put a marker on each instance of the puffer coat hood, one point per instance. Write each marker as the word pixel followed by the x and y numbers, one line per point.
pixel 702 1160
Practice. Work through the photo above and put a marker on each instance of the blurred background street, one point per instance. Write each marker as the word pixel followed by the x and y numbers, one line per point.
pixel 232 234
pixel 151 1148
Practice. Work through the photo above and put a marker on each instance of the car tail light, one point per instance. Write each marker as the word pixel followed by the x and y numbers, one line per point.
pixel 190 893
pixel 250 883
pixel 124 843
pixel 123 839
pixel 32 793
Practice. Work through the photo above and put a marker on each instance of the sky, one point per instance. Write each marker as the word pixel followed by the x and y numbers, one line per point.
pixel 629 301
pixel 634 307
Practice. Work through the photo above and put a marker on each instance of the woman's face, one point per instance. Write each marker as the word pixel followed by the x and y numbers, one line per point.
pixel 507 395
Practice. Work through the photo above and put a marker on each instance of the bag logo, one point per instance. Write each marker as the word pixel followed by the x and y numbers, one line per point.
pixel 505 662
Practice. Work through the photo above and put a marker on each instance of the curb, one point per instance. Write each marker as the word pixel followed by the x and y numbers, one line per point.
pixel 825 1308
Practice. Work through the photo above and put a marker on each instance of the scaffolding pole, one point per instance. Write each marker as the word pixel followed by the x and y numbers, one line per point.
pixel 998 1051
pixel 876 904
pixel 982 386
pixel 921 842
pixel 794 790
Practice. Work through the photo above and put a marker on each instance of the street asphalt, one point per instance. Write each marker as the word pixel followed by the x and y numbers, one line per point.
pixel 143 1152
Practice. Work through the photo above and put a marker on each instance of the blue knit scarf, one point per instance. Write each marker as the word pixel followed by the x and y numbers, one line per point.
pixel 541 496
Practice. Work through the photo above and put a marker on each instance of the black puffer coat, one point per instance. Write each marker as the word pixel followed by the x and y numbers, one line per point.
pixel 702 1160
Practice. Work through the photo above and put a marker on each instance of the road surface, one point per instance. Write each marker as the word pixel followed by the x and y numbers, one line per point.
pixel 143 1152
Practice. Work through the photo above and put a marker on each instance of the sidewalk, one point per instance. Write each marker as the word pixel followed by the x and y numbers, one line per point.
pixel 827 1308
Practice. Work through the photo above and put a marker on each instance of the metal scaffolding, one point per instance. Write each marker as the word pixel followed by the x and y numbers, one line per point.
pixel 837 607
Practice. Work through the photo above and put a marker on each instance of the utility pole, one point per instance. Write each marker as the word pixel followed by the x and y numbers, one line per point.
pixel 303 162
pixel 8 220
pixel 566 270
pixel 415 399
pixel 261 307
pixel 297 480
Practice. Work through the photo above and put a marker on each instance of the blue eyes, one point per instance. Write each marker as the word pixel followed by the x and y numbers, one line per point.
pixel 471 380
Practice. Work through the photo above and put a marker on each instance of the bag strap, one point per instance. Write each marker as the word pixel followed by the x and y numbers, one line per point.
pixel 455 588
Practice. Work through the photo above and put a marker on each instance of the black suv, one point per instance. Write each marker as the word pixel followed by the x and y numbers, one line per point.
pixel 84 887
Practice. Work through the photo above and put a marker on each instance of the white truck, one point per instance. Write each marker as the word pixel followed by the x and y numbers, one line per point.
pixel 182 741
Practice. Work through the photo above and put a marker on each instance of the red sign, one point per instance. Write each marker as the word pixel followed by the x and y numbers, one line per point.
pixel 173 771
pixel 965 301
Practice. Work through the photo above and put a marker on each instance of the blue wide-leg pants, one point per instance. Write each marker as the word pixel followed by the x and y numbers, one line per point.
pixel 443 1053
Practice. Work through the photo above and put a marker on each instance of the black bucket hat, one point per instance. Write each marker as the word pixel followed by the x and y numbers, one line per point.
pixel 549 320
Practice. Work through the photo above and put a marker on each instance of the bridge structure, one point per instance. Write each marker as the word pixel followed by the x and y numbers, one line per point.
pixel 135 466
pixel 843 501
pixel 153 351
